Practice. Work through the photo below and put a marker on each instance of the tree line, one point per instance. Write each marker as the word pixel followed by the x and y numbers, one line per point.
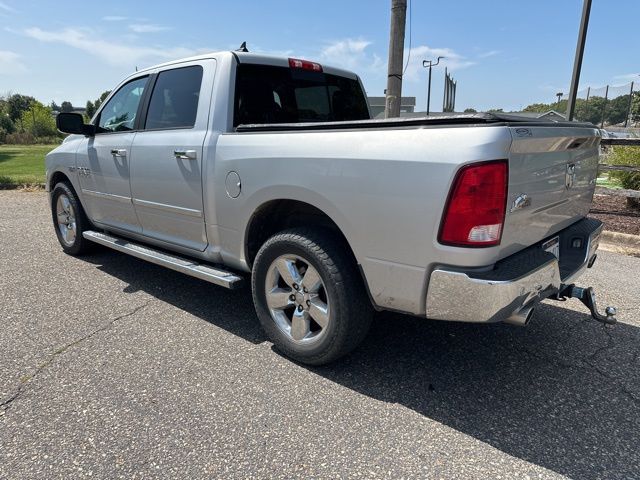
pixel 24 120
pixel 596 110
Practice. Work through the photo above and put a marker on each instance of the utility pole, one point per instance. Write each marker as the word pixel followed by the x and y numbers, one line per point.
pixel 559 95
pixel 577 62
pixel 396 50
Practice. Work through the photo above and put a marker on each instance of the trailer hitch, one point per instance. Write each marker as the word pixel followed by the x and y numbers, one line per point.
pixel 588 297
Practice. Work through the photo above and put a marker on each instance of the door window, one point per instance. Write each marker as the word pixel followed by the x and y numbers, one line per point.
pixel 174 101
pixel 119 114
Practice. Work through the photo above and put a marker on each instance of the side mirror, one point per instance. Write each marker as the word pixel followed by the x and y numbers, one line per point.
pixel 74 123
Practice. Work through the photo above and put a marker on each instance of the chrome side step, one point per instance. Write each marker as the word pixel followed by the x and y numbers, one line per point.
pixel 179 264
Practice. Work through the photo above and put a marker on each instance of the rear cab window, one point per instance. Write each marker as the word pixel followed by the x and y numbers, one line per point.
pixel 174 100
pixel 272 94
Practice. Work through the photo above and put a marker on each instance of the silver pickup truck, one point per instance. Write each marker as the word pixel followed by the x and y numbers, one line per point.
pixel 232 164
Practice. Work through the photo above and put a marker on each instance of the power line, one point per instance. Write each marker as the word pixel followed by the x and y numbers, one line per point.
pixel 410 38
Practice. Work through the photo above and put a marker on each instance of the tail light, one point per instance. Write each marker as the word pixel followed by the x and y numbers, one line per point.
pixel 474 215
pixel 305 65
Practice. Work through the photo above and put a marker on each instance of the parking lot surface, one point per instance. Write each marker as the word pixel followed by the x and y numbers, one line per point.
pixel 115 368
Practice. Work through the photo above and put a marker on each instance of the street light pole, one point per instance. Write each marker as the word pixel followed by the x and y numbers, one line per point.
pixel 431 64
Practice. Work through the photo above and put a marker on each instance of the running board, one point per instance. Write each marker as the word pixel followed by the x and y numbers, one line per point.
pixel 179 264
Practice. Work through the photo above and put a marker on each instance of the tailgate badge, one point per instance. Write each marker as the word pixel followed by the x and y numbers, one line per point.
pixel 523 132
pixel 521 201
pixel 570 176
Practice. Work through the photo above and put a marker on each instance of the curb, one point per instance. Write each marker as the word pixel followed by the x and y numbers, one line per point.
pixel 622 243
pixel 622 239
pixel 22 186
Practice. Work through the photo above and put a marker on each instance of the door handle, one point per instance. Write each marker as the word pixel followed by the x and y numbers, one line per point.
pixel 118 152
pixel 185 154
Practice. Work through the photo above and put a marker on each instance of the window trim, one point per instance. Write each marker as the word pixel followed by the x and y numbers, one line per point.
pixel 139 111
pixel 147 100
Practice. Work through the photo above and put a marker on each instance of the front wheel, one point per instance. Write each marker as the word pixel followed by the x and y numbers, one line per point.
pixel 69 220
pixel 309 296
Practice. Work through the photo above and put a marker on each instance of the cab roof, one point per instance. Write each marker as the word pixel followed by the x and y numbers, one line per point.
pixel 252 58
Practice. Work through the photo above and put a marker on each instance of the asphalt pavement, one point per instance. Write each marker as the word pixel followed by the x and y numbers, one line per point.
pixel 114 368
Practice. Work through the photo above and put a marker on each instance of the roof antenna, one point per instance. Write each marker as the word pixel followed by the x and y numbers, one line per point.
pixel 243 47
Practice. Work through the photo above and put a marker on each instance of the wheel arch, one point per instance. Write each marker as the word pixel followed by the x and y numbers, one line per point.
pixel 276 215
pixel 57 177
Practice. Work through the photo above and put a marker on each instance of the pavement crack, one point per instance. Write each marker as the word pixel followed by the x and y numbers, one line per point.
pixel 623 388
pixel 588 364
pixel 599 350
pixel 6 404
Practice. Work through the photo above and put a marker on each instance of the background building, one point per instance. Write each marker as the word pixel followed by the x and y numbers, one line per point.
pixel 407 105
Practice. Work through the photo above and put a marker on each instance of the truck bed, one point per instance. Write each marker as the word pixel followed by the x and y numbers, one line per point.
pixel 379 177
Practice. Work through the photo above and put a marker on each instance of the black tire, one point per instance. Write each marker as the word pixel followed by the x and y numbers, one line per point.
pixel 351 310
pixel 80 245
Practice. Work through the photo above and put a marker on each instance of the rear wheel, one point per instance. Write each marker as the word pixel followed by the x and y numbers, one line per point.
pixel 69 220
pixel 309 296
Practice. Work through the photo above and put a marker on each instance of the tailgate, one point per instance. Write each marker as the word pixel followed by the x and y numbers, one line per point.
pixel 552 177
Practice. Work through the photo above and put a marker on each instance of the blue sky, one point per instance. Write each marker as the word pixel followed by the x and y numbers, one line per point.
pixel 503 53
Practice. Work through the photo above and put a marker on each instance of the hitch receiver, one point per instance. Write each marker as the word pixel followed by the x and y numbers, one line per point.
pixel 588 297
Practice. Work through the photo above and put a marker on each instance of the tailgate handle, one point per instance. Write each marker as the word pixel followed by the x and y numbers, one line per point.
pixel 576 144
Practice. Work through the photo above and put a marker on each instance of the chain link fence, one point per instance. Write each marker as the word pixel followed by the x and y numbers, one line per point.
pixel 608 106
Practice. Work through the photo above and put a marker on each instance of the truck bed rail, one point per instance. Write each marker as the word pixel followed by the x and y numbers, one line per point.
pixel 470 119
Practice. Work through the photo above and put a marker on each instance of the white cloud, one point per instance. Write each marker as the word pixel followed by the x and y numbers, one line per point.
pixel 148 28
pixel 114 18
pixel 490 53
pixel 351 54
pixel 10 63
pixel 358 55
pixel 452 60
pixel 113 53
pixel 7 8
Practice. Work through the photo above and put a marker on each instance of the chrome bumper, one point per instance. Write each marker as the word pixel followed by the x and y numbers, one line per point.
pixel 514 284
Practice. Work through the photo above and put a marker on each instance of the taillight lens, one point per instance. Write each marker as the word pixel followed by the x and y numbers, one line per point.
pixel 475 210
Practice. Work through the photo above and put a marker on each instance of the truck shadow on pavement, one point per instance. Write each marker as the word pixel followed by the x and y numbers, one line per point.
pixel 562 393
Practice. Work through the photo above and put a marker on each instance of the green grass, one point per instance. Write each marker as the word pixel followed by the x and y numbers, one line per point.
pixel 604 180
pixel 23 164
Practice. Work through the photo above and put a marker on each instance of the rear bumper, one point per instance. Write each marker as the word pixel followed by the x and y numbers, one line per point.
pixel 515 283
